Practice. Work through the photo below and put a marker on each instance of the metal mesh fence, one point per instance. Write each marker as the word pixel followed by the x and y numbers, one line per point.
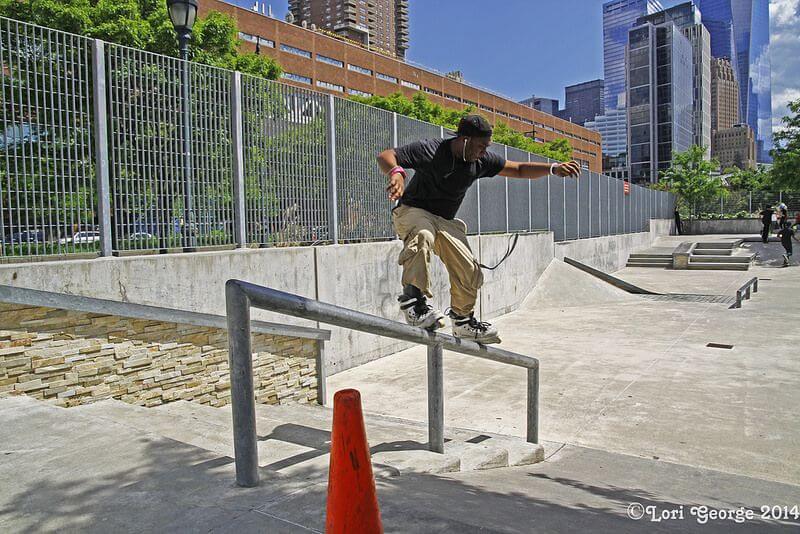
pixel 161 198
pixel 199 156
pixel 361 133
pixel 47 189
pixel 285 163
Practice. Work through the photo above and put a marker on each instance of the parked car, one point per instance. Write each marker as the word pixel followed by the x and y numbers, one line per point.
pixel 136 236
pixel 81 237
pixel 27 236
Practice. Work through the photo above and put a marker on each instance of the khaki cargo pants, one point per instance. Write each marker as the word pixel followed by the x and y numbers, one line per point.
pixel 424 233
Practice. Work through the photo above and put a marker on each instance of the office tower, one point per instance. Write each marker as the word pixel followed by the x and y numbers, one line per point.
pixel 611 125
pixel 735 147
pixel 686 17
pixel 382 24
pixel 619 16
pixel 724 95
pixel 547 105
pixel 749 23
pixel 583 102
pixel 660 98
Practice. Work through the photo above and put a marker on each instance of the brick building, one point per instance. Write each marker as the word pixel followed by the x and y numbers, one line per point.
pixel 330 63
pixel 379 23
pixel 724 95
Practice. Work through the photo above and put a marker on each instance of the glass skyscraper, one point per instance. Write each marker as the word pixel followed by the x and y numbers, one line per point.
pixel 748 22
pixel 619 16
pixel 660 98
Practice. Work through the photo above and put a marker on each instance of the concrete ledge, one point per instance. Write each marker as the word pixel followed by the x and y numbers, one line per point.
pixel 682 254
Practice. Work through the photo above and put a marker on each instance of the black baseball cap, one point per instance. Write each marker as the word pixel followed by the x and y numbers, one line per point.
pixel 474 126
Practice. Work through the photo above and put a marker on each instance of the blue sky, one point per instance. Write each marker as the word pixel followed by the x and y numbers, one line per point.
pixel 523 47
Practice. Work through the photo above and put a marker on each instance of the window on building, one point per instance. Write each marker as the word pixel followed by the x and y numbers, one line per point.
pixel 412 85
pixel 329 60
pixel 358 93
pixel 329 85
pixel 356 68
pixel 385 77
pixel 296 77
pixel 297 51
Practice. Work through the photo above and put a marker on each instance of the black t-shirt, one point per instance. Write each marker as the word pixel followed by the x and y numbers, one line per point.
pixel 441 179
pixel 766 216
pixel 785 234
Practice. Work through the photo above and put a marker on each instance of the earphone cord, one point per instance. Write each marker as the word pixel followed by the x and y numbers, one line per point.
pixel 511 246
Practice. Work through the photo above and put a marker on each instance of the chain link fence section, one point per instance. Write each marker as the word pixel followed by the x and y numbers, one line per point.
pixel 362 132
pixel 285 148
pixel 47 186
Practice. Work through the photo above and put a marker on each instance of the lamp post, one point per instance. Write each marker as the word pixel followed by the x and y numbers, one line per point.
pixel 183 14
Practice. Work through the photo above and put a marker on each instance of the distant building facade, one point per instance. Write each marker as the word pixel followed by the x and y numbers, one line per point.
pixel 583 102
pixel 660 98
pixel 747 21
pixel 724 96
pixel 547 105
pixel 379 23
pixel 686 18
pixel 735 147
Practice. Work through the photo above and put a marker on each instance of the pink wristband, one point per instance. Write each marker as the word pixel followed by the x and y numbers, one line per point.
pixel 398 170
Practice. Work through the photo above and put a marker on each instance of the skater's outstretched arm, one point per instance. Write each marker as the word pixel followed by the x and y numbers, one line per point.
pixel 531 171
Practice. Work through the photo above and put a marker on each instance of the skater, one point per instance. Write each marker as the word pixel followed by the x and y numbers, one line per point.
pixel 424 218
pixel 785 234
pixel 766 221
pixel 783 215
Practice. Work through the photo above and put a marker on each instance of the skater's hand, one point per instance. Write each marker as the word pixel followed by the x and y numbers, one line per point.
pixel 396 186
pixel 571 168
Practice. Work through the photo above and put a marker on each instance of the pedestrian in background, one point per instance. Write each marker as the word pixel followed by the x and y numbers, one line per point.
pixel 766 221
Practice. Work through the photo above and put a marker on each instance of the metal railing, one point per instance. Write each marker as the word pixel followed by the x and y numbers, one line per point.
pixel 241 296
pixel 744 204
pixel 93 160
pixel 743 293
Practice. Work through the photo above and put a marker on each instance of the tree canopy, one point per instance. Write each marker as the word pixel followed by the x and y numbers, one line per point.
pixel 690 178
pixel 144 24
pixel 786 154
pixel 421 108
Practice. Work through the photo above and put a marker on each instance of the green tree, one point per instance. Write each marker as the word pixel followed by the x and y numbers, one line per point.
pixel 786 154
pixel 690 178
pixel 421 108
pixel 144 24
pixel 750 180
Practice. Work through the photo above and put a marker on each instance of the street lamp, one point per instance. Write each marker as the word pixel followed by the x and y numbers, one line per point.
pixel 183 14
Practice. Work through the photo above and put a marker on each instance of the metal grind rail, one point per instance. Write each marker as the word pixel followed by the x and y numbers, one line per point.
pixel 743 293
pixel 241 296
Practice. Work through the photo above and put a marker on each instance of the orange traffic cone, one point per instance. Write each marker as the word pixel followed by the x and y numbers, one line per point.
pixel 352 502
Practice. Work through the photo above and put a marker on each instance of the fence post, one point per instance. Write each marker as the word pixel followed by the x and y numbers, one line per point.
pixel 750 203
pixel 435 399
pixel 530 200
pixel 505 156
pixel 101 146
pixel 333 202
pixel 548 203
pixel 394 129
pixel 237 149
pixel 564 211
pixel 721 207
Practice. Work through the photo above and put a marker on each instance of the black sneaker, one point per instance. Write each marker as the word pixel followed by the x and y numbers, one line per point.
pixel 419 313
pixel 468 327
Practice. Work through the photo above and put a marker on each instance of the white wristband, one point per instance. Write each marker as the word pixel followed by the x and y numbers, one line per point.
pixel 552 166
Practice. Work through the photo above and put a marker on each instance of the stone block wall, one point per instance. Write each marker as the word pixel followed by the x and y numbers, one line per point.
pixel 72 358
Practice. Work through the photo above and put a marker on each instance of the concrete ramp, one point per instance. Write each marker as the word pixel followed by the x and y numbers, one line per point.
pixel 564 286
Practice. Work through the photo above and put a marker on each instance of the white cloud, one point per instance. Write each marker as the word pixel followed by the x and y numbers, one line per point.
pixel 784 55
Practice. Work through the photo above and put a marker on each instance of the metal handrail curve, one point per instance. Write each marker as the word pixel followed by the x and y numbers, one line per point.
pixel 240 296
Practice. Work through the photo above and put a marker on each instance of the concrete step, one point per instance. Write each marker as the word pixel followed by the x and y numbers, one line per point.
pixel 663 257
pixel 715 245
pixel 707 266
pixel 652 260
pixel 720 259
pixel 295 439
pixel 712 252
pixel 648 264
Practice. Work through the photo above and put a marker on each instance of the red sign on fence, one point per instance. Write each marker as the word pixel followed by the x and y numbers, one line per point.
pixel 627 187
